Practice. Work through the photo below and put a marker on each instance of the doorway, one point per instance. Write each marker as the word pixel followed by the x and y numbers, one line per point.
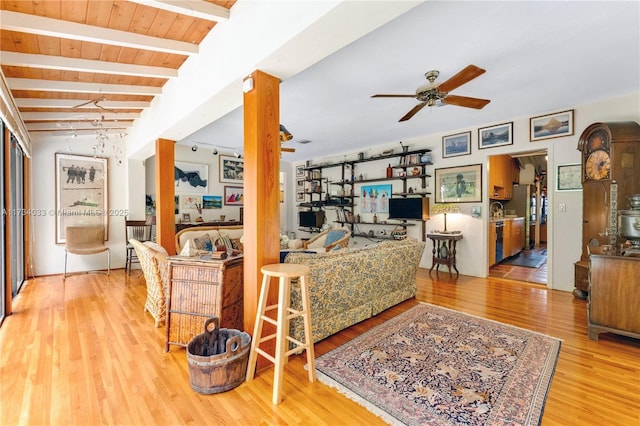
pixel 520 210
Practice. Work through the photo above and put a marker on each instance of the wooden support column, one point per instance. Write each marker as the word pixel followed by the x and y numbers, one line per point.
pixel 261 188
pixel 165 191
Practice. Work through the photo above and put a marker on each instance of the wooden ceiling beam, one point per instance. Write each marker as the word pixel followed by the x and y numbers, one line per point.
pixel 84 65
pixel 70 103
pixel 77 125
pixel 78 87
pixel 32 24
pixel 194 8
pixel 56 116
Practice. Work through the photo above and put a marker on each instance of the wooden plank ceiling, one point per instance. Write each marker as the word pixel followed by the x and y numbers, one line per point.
pixel 83 66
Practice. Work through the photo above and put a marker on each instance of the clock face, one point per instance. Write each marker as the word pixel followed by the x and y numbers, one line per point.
pixel 597 166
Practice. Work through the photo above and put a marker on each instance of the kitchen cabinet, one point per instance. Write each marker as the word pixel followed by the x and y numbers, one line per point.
pixel 517 235
pixel 503 172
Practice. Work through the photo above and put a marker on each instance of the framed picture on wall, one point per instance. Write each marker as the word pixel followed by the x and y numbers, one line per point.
pixel 300 171
pixel 81 185
pixel 191 178
pixel 459 184
pixel 490 137
pixel 569 177
pixel 551 125
pixel 454 145
pixel 231 169
pixel 233 196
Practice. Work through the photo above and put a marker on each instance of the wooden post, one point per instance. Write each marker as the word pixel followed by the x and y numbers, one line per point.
pixel 165 191
pixel 261 187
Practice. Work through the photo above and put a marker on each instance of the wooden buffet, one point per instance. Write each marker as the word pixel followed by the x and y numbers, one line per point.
pixel 614 294
pixel 200 288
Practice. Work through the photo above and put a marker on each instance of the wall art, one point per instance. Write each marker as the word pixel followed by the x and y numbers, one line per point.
pixel 81 185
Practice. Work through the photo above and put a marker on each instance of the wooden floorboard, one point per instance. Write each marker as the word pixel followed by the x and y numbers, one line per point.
pixel 83 352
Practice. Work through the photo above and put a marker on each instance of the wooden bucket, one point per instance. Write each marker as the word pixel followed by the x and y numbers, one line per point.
pixel 218 358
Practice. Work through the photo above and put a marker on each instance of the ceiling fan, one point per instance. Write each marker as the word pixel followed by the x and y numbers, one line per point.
pixel 95 102
pixel 432 94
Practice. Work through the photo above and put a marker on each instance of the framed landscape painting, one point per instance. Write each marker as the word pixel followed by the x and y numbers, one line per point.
pixel 81 193
pixel 231 169
pixel 454 145
pixel 490 137
pixel 551 125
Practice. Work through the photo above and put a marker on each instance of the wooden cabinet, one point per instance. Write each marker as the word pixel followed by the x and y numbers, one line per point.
pixel 199 289
pixel 517 236
pixel 503 172
pixel 610 158
pixel 614 295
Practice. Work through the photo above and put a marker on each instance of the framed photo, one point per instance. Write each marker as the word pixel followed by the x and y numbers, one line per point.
pixel 459 184
pixel 191 178
pixel 300 171
pixel 233 196
pixel 489 137
pixel 211 201
pixel 375 198
pixel 569 177
pixel 231 169
pixel 551 125
pixel 190 202
pixel 454 145
pixel 81 184
pixel 300 196
pixel 186 218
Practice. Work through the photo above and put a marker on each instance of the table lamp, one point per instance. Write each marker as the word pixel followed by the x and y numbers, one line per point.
pixel 445 208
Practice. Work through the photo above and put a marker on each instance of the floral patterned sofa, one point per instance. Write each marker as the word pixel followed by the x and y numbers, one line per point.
pixel 350 285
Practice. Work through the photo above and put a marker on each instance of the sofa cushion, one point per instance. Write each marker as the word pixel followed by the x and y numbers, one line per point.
pixel 332 237
pixel 237 244
pixel 224 240
pixel 203 243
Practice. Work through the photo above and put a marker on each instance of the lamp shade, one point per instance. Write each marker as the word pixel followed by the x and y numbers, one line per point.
pixel 445 208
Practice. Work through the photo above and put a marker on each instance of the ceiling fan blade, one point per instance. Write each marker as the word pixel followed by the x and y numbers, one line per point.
pixel 92 101
pixel 464 76
pixel 84 103
pixel 287 149
pixel 393 96
pixel 105 109
pixel 413 111
pixel 465 101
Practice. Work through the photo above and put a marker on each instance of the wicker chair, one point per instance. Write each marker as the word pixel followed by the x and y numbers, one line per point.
pixel 319 241
pixel 156 274
pixel 85 240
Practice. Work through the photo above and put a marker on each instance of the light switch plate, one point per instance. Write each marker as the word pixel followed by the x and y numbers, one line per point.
pixel 476 211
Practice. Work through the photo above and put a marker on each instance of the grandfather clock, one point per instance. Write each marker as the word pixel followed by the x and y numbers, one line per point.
pixel 610 173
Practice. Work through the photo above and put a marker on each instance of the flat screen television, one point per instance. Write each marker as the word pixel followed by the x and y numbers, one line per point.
pixel 311 219
pixel 411 208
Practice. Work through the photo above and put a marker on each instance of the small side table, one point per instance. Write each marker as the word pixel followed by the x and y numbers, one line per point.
pixel 444 250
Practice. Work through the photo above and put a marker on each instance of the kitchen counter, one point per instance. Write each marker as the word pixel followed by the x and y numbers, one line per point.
pixel 502 219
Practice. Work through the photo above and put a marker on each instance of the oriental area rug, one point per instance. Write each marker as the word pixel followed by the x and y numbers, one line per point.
pixel 432 365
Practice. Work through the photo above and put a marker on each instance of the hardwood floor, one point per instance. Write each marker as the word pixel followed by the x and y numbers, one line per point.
pixel 522 273
pixel 84 352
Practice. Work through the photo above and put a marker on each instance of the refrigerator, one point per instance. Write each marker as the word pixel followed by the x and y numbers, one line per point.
pixel 520 203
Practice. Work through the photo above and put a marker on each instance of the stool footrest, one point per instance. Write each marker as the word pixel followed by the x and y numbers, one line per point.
pixel 269 319
pixel 297 343
pixel 266 355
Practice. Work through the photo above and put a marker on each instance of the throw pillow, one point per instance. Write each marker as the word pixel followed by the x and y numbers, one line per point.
pixel 332 237
pixel 203 243
pixel 225 240
pixel 237 244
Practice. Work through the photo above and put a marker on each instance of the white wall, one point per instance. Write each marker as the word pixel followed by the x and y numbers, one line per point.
pixel 48 258
pixel 563 245
pixel 125 192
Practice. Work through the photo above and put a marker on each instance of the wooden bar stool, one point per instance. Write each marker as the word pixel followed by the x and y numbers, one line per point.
pixel 285 272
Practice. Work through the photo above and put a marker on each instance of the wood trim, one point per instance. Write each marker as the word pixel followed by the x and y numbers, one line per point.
pixel 8 273
pixel 165 192
pixel 27 218
pixel 261 190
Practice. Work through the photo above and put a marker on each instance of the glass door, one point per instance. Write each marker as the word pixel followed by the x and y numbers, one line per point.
pixel 3 287
pixel 16 161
